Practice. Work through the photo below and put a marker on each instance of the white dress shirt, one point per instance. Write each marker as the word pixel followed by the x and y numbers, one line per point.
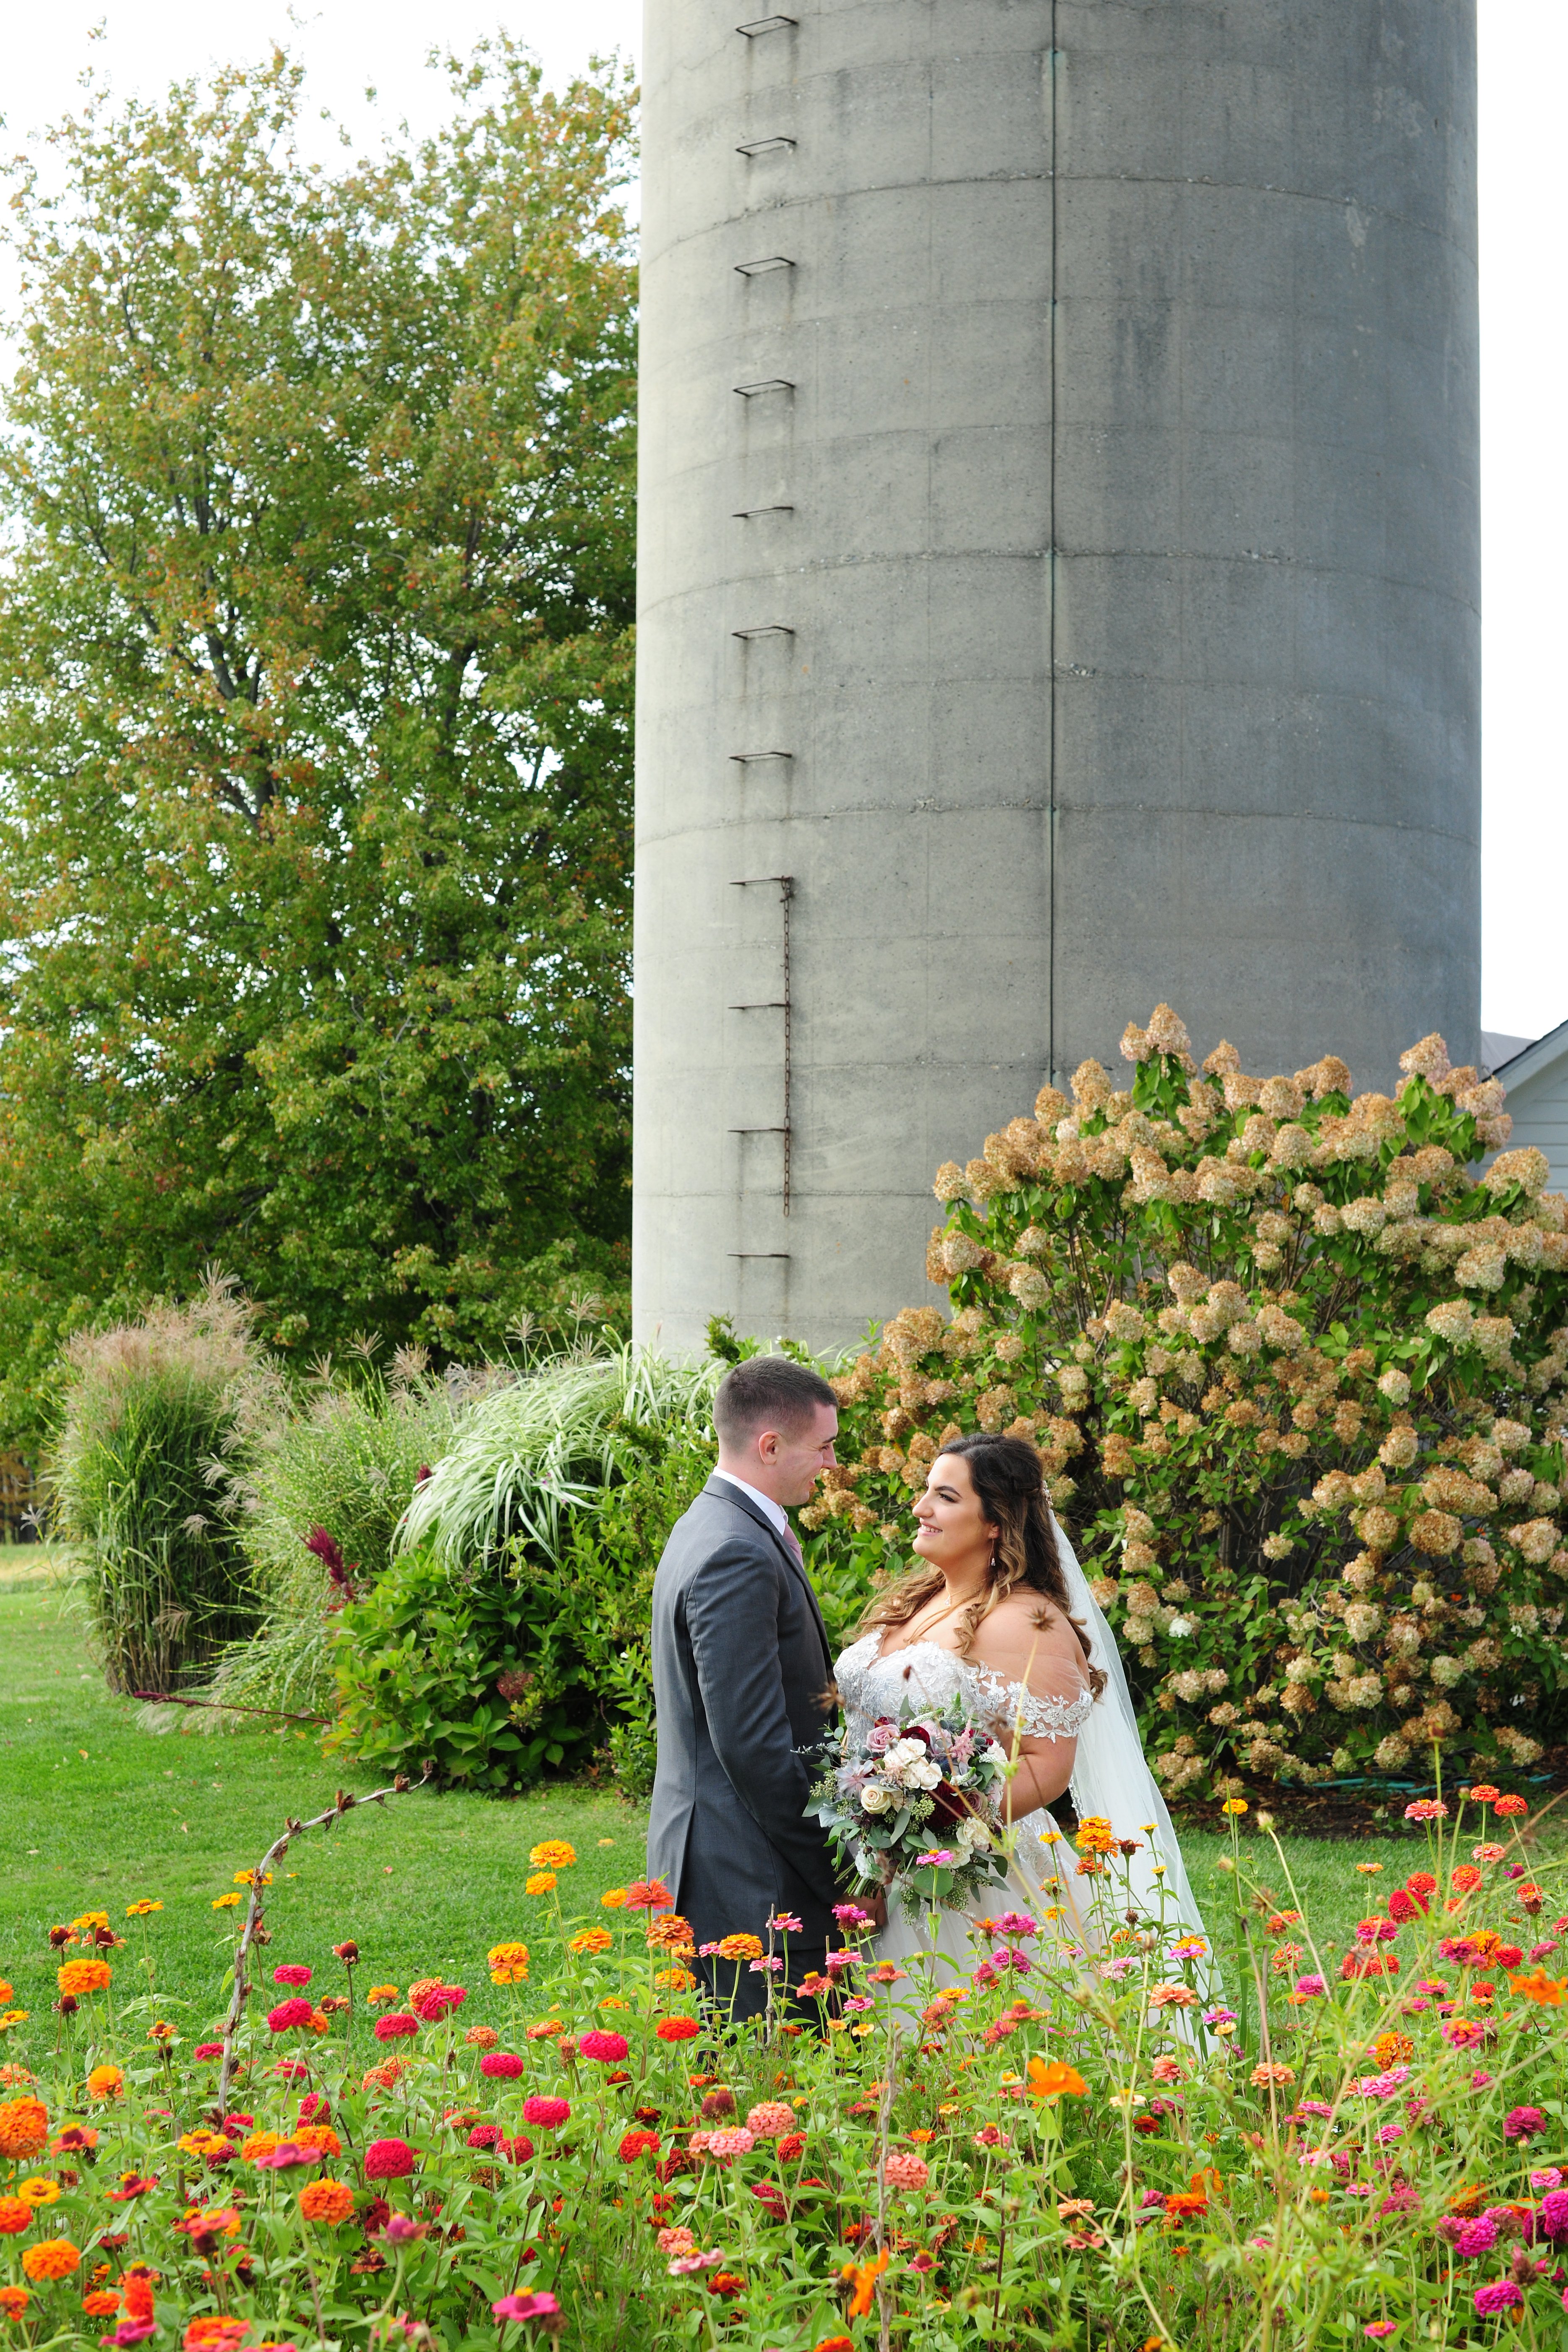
pixel 774 1512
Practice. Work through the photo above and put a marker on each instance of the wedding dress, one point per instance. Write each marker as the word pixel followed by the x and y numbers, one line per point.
pixel 1110 1780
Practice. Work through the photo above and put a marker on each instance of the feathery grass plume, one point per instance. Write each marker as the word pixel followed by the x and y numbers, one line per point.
pixel 527 1455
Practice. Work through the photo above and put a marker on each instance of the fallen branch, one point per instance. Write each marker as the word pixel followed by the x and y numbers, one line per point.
pixel 226 1707
pixel 345 1803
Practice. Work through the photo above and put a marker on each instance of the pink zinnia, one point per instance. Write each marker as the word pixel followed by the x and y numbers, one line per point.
pixel 208 2050
pixel 526 2306
pixel 389 2159
pixel 433 2004
pixel 1524 2123
pixel 547 2114
pixel 485 2135
pixel 393 2028
pixel 293 1976
pixel 287 2014
pixel 1503 2295
pixel 771 2119
pixel 738 2141
pixel 900 2171
pixel 501 2062
pixel 608 2048
pixel 287 2155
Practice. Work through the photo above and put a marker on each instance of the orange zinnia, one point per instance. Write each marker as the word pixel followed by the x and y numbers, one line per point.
pixel 23 2126
pixel 105 2082
pixel 1051 2079
pixel 51 2257
pixel 327 2201
pixel 866 2277
pixel 1538 1987
pixel 739 1947
pixel 78 1976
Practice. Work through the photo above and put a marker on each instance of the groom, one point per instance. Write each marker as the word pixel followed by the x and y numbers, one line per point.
pixel 741 1668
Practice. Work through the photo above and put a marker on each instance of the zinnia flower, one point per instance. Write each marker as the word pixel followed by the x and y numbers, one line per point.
pixel 290 2013
pixel 389 2159
pixel 592 1939
pixel 327 2201
pixel 293 1976
pixel 540 1883
pixel 1503 2295
pixel 769 2118
pixel 1524 2123
pixel 526 2306
pixel 16 2215
pixel 651 1895
pixel 552 1853
pixel 902 2172
pixel 79 1977
pixel 394 2027
pixel 51 2257
pixel 24 2125
pixel 502 2063
pixel 739 1947
pixel 607 2049
pixel 14 2301
pixel 675 2029
pixel 638 2143
pixel 546 2113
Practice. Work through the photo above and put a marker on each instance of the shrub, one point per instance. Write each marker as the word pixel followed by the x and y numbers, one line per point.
pixel 158 1416
pixel 1297 1374
pixel 1087 2149
pixel 505 1671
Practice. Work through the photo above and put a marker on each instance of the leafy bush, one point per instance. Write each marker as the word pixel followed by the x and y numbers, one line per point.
pixel 504 1671
pixel 1071 2146
pixel 1298 1375
pixel 428 1662
pixel 158 1417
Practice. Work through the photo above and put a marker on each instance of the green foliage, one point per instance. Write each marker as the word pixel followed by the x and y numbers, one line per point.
pixel 534 1451
pixel 1294 1370
pixel 420 1663
pixel 504 1673
pixel 158 1416
pixel 315 680
pixel 602 1592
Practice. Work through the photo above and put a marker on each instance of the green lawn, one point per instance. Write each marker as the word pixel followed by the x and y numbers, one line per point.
pixel 96 1813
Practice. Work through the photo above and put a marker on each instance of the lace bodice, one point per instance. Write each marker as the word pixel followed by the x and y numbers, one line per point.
pixel 923 1674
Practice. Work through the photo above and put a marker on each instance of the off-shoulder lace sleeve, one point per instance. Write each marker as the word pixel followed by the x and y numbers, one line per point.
pixel 1012 1707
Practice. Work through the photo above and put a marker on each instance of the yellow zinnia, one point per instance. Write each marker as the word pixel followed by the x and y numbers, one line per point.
pixel 552 1853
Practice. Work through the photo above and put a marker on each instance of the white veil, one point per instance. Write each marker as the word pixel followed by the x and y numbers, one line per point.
pixel 1110 1777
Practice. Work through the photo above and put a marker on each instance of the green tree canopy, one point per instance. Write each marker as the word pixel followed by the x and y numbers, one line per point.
pixel 315 669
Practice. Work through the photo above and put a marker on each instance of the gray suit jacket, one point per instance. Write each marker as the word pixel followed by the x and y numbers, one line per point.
pixel 739 1665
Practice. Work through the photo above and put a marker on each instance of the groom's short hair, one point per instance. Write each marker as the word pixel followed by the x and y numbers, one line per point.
pixel 767 1392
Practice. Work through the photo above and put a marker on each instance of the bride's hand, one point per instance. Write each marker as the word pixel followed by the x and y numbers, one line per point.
pixel 878 1907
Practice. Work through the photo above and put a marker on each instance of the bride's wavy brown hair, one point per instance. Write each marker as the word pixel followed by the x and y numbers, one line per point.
pixel 1012 1497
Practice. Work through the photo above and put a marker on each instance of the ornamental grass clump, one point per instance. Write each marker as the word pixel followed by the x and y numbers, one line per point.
pixel 1296 1366
pixel 1062 2144
pixel 159 1416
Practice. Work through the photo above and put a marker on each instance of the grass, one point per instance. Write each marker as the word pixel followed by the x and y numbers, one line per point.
pixel 96 1813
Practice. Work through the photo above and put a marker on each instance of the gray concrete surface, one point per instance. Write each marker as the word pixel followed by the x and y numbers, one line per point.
pixel 1117 487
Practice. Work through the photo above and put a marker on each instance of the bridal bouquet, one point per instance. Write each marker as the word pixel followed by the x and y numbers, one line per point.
pixel 917 1804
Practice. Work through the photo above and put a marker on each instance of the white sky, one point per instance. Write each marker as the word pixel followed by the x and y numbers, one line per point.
pixel 1524 67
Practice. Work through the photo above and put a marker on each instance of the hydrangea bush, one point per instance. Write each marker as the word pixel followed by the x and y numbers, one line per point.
pixel 1067 2145
pixel 1298 1371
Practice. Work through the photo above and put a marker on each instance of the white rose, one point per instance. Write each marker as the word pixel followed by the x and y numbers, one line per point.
pixel 876 1798
pixel 995 1753
pixel 924 1776
pixel 971 1831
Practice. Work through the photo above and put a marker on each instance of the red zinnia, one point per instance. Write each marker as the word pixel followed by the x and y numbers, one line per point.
pixel 638 2143
pixel 293 1976
pixel 546 2113
pixel 389 2159
pixel 390 2028
pixel 501 2062
pixel 792 2145
pixel 675 2029
pixel 288 2013
pixel 649 1894
pixel 609 2049
pixel 1511 1807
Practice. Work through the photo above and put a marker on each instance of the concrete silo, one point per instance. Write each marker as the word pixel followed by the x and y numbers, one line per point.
pixel 1058 588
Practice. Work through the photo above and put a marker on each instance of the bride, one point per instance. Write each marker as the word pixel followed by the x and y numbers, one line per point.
pixel 999 1615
